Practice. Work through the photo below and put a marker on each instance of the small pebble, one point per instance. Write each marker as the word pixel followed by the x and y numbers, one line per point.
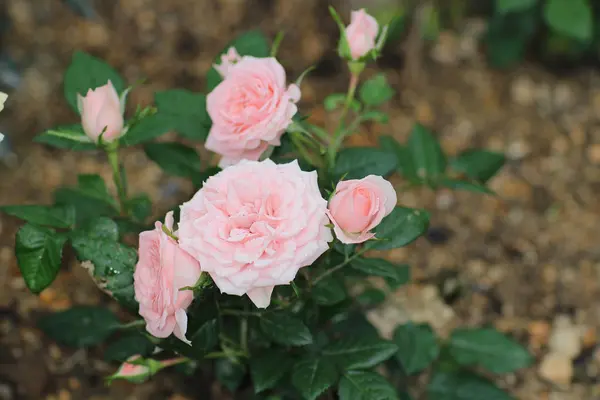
pixel 556 368
pixel 593 154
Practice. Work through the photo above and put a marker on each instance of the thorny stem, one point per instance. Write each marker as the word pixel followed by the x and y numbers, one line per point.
pixel 113 159
pixel 338 136
pixel 133 324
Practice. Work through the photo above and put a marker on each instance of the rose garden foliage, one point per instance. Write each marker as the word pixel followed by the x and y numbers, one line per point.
pixel 250 280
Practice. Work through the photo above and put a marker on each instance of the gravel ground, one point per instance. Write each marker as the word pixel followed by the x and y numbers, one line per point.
pixel 526 261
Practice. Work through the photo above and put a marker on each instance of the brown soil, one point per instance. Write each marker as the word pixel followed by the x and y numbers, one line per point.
pixel 527 261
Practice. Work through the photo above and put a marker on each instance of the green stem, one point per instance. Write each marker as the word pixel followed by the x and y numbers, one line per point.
pixel 339 133
pixel 240 313
pixel 113 159
pixel 339 266
pixel 133 324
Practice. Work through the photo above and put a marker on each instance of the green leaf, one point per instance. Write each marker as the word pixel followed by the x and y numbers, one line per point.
pixel 149 128
pixel 268 368
pixel 417 346
pixel 329 291
pixel 430 28
pixel 70 137
pixel 337 100
pixel 90 198
pixel 230 374
pixel 406 165
pixel 365 385
pixel 371 297
pixel 509 36
pixel 463 386
pixel 140 207
pixel 489 349
pixel 401 227
pixel 285 329
pixel 113 262
pixel 509 6
pixel 359 352
pixel 175 158
pixel 428 157
pixel 396 274
pixel 80 326
pixel 55 216
pixel 312 376
pixel 251 43
pixel 206 337
pixel 87 72
pixel 358 162
pixel 187 111
pixel 457 184
pixel 480 165
pixel 570 17
pixel 376 91
pixel 123 348
pixel 39 252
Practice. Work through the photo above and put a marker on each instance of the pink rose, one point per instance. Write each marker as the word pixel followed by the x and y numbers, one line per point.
pixel 101 110
pixel 361 33
pixel 137 369
pixel 253 225
pixel 358 206
pixel 250 109
pixel 164 268
pixel 228 60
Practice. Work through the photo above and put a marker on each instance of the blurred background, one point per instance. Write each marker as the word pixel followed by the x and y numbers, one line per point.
pixel 517 76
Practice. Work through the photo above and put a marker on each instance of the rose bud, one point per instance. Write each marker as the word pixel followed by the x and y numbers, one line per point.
pixel 101 113
pixel 358 206
pixel 361 34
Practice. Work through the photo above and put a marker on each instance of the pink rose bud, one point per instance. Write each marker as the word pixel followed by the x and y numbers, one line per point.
pixel 162 270
pixel 253 225
pixel 101 111
pixel 359 205
pixel 361 33
pixel 228 60
pixel 137 369
pixel 250 109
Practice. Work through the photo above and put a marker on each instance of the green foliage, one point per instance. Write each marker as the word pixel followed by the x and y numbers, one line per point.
pixel 329 291
pixel 396 275
pixel 508 6
pixel 358 162
pixel 313 375
pixel 80 326
pixel 359 352
pixel 417 347
pixel 90 198
pixel 463 386
pixel 129 345
pixel 87 72
pixel 54 216
pixel 70 137
pixel 364 385
pixel 285 329
pixel 39 253
pixel 570 17
pixel 230 373
pixel 489 349
pixel 428 158
pixel 186 112
pixel 268 368
pixel 400 228
pixel 376 91
pixel 175 158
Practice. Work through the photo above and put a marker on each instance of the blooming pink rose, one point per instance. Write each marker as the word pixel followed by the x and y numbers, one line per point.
pixel 101 109
pixel 250 109
pixel 164 268
pixel 253 225
pixel 359 205
pixel 228 60
pixel 361 33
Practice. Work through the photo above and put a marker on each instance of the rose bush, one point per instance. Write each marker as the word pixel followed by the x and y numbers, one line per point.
pixel 252 288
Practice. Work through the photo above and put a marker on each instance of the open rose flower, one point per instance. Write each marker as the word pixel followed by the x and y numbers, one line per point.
pixel 228 60
pixel 250 109
pixel 253 225
pixel 359 205
pixel 164 268
pixel 361 33
pixel 101 111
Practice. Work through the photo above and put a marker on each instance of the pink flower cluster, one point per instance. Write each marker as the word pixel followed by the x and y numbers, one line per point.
pixel 255 224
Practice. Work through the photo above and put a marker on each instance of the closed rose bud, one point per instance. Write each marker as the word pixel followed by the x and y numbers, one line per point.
pixel 358 206
pixel 361 34
pixel 101 111
pixel 137 369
